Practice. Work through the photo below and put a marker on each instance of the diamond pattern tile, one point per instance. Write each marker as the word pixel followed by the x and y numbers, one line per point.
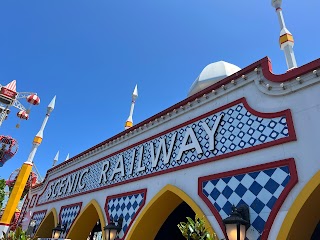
pixel 38 217
pixel 127 206
pixel 258 189
pixel 67 216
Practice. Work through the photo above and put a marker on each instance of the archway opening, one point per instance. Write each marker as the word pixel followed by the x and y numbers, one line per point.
pixel 169 229
pixel 303 217
pixel 86 225
pixel 45 228
pixel 305 224
pixel 165 206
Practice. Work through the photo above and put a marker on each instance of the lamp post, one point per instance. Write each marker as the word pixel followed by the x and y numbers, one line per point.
pixel 56 232
pixel 31 226
pixel 112 230
pixel 237 223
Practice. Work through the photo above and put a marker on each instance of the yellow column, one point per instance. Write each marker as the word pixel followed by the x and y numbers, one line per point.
pixel 16 193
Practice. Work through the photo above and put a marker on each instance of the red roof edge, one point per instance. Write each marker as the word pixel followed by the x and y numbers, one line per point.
pixel 289 75
pixel 264 63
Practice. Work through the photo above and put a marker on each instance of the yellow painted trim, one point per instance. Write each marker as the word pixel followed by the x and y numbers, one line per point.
pixel 308 197
pixel 128 124
pixel 46 226
pixel 155 213
pixel 285 38
pixel 85 214
pixel 37 140
pixel 16 193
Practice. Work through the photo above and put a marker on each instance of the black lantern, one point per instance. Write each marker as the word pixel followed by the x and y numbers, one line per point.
pixel 112 230
pixel 56 232
pixel 31 227
pixel 237 223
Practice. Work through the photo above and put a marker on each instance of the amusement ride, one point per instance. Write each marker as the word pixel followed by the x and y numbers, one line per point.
pixel 9 97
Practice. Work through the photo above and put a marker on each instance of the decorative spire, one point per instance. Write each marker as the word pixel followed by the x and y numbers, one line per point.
pixel 129 121
pixel 11 86
pixel 55 160
pixel 39 136
pixel 286 38
pixel 67 158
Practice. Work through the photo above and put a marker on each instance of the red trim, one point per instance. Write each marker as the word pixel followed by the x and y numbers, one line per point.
pixel 289 75
pixel 67 206
pixel 4 224
pixel 144 191
pixel 37 212
pixel 33 200
pixel 292 182
pixel 266 66
pixel 291 137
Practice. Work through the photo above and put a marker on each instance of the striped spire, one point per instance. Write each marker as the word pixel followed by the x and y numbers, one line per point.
pixel 12 86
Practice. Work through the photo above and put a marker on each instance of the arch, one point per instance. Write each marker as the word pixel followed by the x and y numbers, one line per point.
pixel 82 226
pixel 49 222
pixel 158 209
pixel 304 214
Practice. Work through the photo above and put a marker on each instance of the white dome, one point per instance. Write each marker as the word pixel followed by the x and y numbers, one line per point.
pixel 212 74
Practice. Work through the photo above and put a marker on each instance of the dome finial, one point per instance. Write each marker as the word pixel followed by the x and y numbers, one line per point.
pixel 212 74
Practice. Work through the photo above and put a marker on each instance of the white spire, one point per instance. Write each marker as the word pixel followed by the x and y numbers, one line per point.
pixel 39 136
pixel 55 160
pixel 67 158
pixel 129 121
pixel 286 38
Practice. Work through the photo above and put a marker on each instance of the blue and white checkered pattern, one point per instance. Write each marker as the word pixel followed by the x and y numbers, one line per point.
pixel 238 130
pixel 259 190
pixel 38 217
pixel 127 207
pixel 67 217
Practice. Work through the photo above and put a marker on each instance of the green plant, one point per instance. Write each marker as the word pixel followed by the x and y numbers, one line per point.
pixel 2 192
pixel 18 234
pixel 196 229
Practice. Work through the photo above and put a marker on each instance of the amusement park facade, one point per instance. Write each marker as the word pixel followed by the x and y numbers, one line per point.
pixel 248 138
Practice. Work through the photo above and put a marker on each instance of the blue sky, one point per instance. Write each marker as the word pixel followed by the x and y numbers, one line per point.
pixel 91 53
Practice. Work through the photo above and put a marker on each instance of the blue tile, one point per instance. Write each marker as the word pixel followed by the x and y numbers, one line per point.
pixel 239 177
pixel 227 191
pixel 255 188
pixel 271 186
pixel 254 174
pixel 205 192
pixel 271 202
pixel 285 169
pixel 227 207
pixel 250 131
pixel 285 181
pixel 217 206
pixel 215 194
pixel 258 224
pixel 257 205
pixel 240 190
pixel 226 180
pixel 285 131
pixel 252 141
pixel 242 144
pixel 135 204
pixel 269 172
